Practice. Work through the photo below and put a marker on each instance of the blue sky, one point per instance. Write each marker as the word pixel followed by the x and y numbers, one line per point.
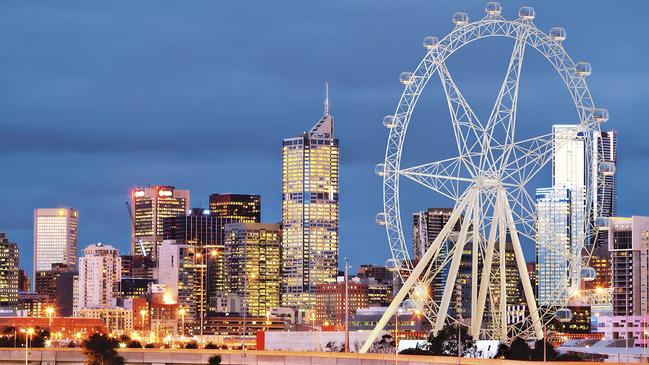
pixel 99 97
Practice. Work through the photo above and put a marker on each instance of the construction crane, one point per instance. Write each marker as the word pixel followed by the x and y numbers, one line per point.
pixel 130 214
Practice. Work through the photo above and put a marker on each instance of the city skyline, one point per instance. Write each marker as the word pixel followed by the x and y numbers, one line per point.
pixel 99 196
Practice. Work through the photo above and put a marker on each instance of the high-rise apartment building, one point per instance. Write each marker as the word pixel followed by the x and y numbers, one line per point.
pixel 553 239
pixel 605 203
pixel 561 218
pixel 569 171
pixel 55 238
pixel 310 181
pixel 628 241
pixel 8 272
pixel 151 205
pixel 177 264
pixel 426 226
pixel 100 271
pixel 252 265
pixel 204 231
pixel 605 173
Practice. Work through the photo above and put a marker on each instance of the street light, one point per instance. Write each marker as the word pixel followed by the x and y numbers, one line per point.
pixel 182 312
pixel 143 315
pixel 50 311
pixel 28 336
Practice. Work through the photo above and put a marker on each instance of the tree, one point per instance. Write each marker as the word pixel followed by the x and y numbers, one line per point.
pixel 415 351
pixel 503 352
pixel 445 343
pixel 214 360
pixel 537 352
pixel 519 349
pixel 99 349
pixel 331 346
pixel 191 345
pixel 134 344
pixel 211 346
pixel 385 345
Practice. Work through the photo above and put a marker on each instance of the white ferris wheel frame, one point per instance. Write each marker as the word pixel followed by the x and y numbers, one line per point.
pixel 479 181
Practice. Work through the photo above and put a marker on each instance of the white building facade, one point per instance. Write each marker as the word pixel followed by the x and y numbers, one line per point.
pixel 100 271
pixel 55 238
pixel 553 207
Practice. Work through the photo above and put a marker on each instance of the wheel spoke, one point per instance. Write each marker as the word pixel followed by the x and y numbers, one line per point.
pixel 469 132
pixel 447 177
pixel 501 126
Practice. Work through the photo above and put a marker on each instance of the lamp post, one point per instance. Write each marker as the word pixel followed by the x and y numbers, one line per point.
pixel 50 312
pixel 545 343
pixel 28 336
pixel 346 304
pixel 199 256
pixel 396 335
pixel 644 345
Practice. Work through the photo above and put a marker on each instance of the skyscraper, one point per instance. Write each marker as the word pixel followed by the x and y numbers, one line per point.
pixel 252 265
pixel 202 231
pixel 100 271
pixel 55 238
pixel 310 178
pixel 238 207
pixel 8 272
pixel 151 205
pixel 628 241
pixel 426 226
pixel 605 203
pixel 562 234
pixel 553 239
pixel 605 173
pixel 177 264
pixel 569 171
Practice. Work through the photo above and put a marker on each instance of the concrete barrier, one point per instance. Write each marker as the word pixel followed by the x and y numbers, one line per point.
pixel 74 356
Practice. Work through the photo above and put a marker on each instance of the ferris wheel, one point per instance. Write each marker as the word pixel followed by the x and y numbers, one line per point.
pixel 487 180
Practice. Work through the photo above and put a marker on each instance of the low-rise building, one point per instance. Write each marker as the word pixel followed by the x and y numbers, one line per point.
pixel 330 301
pixel 116 319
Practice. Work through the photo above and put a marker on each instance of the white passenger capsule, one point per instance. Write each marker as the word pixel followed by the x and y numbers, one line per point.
pixel 406 78
pixel 379 169
pixel 380 218
pixel 563 315
pixel 606 168
pixel 430 42
pixel 558 34
pixel 493 8
pixel 602 223
pixel 392 265
pixel 588 274
pixel 600 115
pixel 526 13
pixel 583 69
pixel 390 121
pixel 460 19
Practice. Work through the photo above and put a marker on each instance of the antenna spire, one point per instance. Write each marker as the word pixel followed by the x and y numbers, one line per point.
pixel 326 101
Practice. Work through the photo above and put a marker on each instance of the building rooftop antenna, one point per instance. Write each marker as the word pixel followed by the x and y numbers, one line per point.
pixel 326 100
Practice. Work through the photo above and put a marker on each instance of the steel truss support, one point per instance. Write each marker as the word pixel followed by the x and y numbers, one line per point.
pixel 416 273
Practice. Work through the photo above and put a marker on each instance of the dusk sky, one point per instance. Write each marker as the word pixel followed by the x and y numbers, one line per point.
pixel 98 97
